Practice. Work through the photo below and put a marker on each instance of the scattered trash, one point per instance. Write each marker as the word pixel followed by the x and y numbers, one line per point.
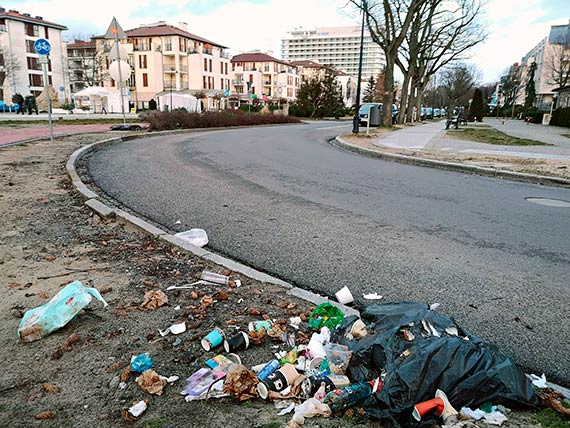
pixel 308 409
pixel 268 369
pixel 295 322
pixel 357 330
pixel 223 362
pixel 41 321
pixel 154 299
pixel 196 237
pixel 66 346
pixel 539 382
pixel 344 296
pixel 150 382
pixel 177 308
pixel 434 306
pixel 240 383
pixel 174 329
pixel 177 342
pixel 48 387
pixel 185 286
pixel 141 363
pixel 238 342
pixel 48 414
pixel 201 381
pixel 135 411
pixel 338 357
pixel 439 405
pixel 287 410
pixel 325 315
pixel 313 383
pixel 494 417
pixel 350 395
pixel 213 339
pixel 258 325
pixel 215 278
pixel 372 296
pixel 278 380
pixel 471 372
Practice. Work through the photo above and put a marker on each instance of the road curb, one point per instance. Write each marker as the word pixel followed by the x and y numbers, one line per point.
pixel 452 166
pixel 106 210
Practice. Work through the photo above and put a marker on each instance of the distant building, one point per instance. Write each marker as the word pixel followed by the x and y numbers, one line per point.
pixel 167 59
pixel 336 46
pixel 82 65
pixel 551 54
pixel 263 77
pixel 19 63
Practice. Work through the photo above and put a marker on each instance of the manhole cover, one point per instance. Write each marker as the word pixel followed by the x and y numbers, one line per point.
pixel 550 202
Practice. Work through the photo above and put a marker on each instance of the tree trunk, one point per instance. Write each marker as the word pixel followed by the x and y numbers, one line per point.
pixel 404 99
pixel 388 88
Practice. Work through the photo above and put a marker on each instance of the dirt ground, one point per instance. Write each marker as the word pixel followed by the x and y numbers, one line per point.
pixel 546 167
pixel 48 238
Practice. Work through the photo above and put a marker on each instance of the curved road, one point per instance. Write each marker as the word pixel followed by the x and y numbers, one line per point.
pixel 283 200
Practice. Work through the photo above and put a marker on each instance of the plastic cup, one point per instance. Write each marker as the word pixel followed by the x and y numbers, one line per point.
pixel 213 339
pixel 344 296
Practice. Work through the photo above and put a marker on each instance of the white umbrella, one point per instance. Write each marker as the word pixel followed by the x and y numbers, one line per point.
pixel 92 91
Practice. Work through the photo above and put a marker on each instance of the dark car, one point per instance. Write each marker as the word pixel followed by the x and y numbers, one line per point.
pixel 364 112
pixel 127 127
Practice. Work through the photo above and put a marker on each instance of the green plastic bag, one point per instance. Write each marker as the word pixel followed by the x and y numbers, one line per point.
pixel 325 315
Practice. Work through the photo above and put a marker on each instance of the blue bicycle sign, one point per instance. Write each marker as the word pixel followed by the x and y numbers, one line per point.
pixel 42 47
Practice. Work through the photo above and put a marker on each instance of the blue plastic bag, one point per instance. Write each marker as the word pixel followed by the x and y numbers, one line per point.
pixel 141 363
pixel 41 321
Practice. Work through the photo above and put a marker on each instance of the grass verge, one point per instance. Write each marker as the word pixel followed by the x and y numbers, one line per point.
pixel 492 136
pixel 56 122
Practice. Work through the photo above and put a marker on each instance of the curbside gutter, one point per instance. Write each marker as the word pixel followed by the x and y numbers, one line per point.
pixel 108 211
pixel 452 166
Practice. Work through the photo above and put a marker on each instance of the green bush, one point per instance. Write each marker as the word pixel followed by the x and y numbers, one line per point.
pixel 180 119
pixel 253 108
pixel 561 117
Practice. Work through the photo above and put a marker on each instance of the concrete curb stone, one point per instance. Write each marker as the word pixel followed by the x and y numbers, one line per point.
pixel 452 166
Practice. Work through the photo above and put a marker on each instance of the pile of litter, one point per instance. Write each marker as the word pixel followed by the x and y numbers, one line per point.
pixel 403 363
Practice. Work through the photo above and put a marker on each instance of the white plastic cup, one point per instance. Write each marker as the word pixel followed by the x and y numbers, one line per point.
pixel 344 296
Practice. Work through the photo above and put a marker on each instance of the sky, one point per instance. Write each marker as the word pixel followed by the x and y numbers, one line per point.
pixel 514 26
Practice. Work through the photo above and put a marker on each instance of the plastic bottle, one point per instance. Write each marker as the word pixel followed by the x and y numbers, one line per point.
pixel 349 396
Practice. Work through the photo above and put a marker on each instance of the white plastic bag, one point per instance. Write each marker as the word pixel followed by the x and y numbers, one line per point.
pixel 309 409
pixel 196 237
pixel 41 321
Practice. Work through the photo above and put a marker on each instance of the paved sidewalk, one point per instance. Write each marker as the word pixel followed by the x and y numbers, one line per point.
pixel 432 136
pixel 8 135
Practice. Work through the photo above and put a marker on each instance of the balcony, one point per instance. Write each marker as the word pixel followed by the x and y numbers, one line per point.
pixel 207 51
pixel 191 51
pixel 224 55
pixel 267 83
pixel 237 82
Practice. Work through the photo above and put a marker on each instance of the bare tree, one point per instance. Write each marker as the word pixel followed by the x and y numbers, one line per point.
pixel 86 67
pixel 441 32
pixel 511 86
pixel 457 82
pixel 388 22
pixel 9 66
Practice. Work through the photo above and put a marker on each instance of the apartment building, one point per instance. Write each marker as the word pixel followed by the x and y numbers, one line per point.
pixel 167 59
pixel 82 65
pixel 552 56
pixel 20 70
pixel 336 46
pixel 264 77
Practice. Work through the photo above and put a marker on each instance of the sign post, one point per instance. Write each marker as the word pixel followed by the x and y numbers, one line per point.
pixel 114 32
pixel 43 48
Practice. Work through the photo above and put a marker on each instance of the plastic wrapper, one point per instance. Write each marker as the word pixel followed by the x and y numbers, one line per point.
pixel 325 315
pixel 41 321
pixel 469 370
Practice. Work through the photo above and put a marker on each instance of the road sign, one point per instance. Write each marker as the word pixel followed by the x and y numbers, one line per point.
pixel 42 47
pixel 115 31
pixel 227 93
pixel 61 89
pixel 43 59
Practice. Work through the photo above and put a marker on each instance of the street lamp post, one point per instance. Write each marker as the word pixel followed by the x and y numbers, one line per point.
pixel 356 118
pixel 171 75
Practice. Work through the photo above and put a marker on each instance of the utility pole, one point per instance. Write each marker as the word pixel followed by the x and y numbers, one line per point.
pixel 356 119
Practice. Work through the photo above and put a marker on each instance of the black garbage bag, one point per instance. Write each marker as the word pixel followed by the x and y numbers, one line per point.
pixel 420 351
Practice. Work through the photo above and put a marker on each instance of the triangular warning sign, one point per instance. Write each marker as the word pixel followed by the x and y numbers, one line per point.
pixel 115 31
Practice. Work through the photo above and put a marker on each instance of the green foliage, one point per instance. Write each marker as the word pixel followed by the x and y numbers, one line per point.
pixel 369 91
pixel 561 117
pixel 319 96
pixel 492 136
pixel 152 105
pixel 476 111
pixel 66 106
pixel 534 115
pixel 549 418
pixel 253 108
pixel 180 119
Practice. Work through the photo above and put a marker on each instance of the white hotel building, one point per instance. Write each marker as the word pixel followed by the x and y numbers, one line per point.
pixel 337 46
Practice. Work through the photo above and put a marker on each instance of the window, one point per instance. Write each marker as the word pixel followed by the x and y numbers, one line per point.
pixel 113 83
pixel 221 68
pixel 168 43
pixel 210 66
pixel 226 67
pixel 221 83
pixel 33 64
pixel 2 24
pixel 251 78
pixel 142 61
pixel 35 79
pixel 46 32
pixel 205 64
pixel 182 44
pixel 145 80
pixel 1 62
pixel 30 46
pixel 204 84
pixel 233 66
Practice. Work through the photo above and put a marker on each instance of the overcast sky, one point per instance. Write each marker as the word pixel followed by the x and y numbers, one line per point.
pixel 515 26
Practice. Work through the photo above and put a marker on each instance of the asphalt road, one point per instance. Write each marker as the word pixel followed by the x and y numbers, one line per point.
pixel 283 200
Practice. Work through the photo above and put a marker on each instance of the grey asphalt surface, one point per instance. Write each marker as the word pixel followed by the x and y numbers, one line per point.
pixel 283 200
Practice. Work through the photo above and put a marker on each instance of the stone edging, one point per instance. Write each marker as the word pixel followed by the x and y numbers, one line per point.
pixel 104 210
pixel 452 166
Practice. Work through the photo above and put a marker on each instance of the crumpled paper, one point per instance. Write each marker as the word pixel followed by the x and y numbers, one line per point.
pixel 256 338
pixel 151 382
pixel 153 299
pixel 240 382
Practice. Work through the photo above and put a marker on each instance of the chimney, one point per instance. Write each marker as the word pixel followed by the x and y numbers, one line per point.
pixel 40 17
pixel 183 26
pixel 2 9
pixel 26 14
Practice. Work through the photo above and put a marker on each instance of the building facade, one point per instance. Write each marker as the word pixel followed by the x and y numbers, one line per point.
pixel 260 76
pixel 336 46
pixel 20 70
pixel 82 65
pixel 167 59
